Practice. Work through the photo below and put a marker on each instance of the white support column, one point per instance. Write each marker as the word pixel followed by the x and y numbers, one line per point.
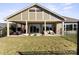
pixel 26 27
pixel 44 27
pixel 21 16
pixel 63 28
pixel 7 28
pixel 44 23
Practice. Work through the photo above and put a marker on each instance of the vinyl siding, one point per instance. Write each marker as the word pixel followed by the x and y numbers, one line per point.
pixel 58 28
pixel 54 18
pixel 46 16
pixel 32 15
pixel 15 18
pixel 39 16
pixel 25 15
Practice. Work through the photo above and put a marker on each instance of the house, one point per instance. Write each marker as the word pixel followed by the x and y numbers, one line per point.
pixel 39 20
pixel 70 25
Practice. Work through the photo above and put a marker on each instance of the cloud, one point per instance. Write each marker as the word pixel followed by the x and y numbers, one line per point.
pixel 67 4
pixel 67 8
pixel 52 7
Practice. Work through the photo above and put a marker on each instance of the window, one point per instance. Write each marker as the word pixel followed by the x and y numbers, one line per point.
pixel 69 27
pixel 49 27
pixel 75 27
pixel 39 10
pixel 32 10
pixel 64 27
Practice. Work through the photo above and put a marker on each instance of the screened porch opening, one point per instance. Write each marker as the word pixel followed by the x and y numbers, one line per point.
pixel 19 28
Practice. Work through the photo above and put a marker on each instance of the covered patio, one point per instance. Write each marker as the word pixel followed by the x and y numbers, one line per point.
pixel 33 28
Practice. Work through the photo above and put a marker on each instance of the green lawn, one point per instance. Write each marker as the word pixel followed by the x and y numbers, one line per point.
pixel 56 44
pixel 71 37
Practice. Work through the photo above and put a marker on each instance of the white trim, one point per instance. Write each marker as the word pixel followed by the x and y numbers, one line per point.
pixel 63 28
pixel 45 28
pixel 7 28
pixel 42 15
pixel 26 27
pixel 34 20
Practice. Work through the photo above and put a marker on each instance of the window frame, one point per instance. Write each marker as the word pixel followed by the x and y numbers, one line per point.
pixel 69 27
pixel 32 10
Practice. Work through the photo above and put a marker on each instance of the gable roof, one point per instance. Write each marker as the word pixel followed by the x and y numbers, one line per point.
pixel 59 16
pixel 66 19
pixel 69 19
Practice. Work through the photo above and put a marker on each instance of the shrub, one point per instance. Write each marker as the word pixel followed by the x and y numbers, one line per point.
pixel 4 31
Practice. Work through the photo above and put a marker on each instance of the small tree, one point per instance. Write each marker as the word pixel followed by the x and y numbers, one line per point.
pixel 4 31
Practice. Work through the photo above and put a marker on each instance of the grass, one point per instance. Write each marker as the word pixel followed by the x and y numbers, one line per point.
pixel 56 44
pixel 71 37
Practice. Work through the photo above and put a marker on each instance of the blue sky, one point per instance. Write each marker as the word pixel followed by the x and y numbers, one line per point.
pixel 65 9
